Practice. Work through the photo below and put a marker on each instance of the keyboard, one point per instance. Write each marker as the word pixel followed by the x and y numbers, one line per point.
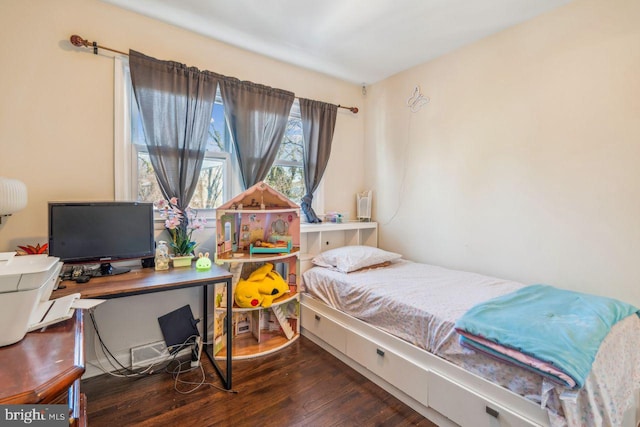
pixel 52 311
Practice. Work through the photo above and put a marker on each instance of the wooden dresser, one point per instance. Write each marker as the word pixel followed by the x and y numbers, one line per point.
pixel 45 367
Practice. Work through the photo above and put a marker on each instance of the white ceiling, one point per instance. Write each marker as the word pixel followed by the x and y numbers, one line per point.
pixel 361 41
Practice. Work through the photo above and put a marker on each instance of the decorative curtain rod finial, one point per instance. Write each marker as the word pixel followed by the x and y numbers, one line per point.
pixel 354 110
pixel 78 41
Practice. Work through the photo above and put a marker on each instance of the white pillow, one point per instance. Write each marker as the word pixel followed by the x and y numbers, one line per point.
pixel 351 258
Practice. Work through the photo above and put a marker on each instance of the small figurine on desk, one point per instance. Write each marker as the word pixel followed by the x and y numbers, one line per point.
pixel 203 263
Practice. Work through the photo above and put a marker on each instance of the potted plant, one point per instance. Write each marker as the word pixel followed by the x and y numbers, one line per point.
pixel 180 225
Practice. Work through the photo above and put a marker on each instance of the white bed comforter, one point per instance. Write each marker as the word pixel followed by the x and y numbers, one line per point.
pixel 420 303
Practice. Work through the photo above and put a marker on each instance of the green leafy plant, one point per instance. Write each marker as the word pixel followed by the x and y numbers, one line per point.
pixel 180 225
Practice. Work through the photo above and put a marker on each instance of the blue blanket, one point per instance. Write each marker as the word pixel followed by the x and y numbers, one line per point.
pixel 557 326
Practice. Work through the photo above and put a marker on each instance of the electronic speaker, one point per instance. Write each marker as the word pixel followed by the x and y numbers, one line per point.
pixel 148 262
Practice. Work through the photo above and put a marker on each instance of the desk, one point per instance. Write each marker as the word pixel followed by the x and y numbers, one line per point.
pixel 45 367
pixel 148 280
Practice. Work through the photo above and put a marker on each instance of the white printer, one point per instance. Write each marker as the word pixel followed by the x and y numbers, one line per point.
pixel 25 282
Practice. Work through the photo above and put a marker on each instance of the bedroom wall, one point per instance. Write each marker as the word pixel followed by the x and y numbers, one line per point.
pixel 524 164
pixel 56 122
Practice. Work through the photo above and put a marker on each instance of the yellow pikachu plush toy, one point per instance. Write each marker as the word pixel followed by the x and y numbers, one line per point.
pixel 260 288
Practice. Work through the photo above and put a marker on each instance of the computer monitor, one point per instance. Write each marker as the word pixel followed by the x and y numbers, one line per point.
pixel 101 232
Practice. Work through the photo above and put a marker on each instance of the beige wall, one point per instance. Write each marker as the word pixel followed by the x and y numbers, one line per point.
pixel 56 102
pixel 524 164
pixel 56 126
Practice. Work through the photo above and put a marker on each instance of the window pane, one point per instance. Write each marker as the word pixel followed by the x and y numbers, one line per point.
pixel 218 134
pixel 288 180
pixel 137 131
pixel 291 148
pixel 208 194
pixel 148 188
pixel 286 174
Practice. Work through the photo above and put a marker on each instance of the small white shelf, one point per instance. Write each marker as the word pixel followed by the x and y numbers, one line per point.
pixel 317 238
pixel 336 226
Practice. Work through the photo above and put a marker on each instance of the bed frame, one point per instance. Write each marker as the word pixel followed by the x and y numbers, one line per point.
pixel 439 390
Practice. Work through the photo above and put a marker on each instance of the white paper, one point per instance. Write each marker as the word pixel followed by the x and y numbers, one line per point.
pixel 85 304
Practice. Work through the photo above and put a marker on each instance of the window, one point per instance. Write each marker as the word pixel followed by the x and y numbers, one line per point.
pixel 210 192
pixel 135 178
pixel 287 173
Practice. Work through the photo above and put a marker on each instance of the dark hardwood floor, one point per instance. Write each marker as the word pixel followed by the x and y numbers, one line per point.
pixel 301 385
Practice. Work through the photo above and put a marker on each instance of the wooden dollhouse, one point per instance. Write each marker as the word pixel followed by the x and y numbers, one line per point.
pixel 258 226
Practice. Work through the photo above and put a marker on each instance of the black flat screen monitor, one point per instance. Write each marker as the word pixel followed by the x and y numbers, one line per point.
pixel 101 232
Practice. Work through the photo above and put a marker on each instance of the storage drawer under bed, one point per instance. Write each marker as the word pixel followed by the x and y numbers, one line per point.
pixel 324 328
pixel 466 408
pixel 396 370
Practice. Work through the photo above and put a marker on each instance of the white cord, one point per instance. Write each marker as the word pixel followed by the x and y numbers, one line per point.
pixel 404 173
pixel 148 370
pixel 177 371
pixel 111 358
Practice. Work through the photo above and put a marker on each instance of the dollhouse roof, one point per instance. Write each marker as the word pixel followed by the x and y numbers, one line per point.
pixel 260 193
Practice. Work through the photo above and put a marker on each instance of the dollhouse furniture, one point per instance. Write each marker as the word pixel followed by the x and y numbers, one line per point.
pixel 258 226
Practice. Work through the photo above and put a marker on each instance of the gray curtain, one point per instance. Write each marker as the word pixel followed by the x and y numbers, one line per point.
pixel 176 103
pixel 318 124
pixel 257 117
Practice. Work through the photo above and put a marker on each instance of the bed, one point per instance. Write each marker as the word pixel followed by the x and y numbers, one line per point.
pixel 394 321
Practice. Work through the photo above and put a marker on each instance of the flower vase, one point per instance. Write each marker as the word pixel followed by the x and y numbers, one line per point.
pixel 182 261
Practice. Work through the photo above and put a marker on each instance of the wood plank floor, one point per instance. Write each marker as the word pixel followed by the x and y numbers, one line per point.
pixel 301 385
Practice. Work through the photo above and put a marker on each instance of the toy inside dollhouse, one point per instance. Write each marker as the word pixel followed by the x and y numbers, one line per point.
pixel 258 222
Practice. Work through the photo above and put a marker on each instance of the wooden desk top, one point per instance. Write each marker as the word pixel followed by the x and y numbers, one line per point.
pixel 142 281
pixel 44 364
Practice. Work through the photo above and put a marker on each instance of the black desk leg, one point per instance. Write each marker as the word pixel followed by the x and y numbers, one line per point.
pixel 229 330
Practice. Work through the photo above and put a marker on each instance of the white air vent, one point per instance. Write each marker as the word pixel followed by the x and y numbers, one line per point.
pixel 155 352
pixel 148 354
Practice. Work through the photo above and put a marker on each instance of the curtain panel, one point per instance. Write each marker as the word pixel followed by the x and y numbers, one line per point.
pixel 257 117
pixel 176 104
pixel 318 125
